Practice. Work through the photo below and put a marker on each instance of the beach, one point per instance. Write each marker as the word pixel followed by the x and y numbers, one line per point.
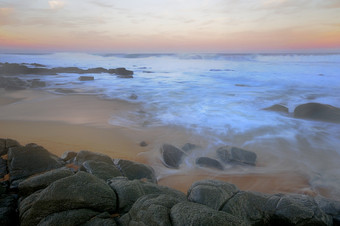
pixel 75 122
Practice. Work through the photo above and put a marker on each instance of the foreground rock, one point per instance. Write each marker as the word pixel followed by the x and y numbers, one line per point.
pixel 28 160
pixel 101 170
pixel 81 191
pixel 172 156
pixel 83 156
pixel 133 170
pixel 229 154
pixel 209 163
pixel 317 111
pixel 277 108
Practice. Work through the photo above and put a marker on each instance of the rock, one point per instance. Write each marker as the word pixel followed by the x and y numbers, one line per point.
pixel 29 160
pixel 249 207
pixel 67 91
pixel 3 167
pixel 189 213
pixel 296 209
pixel 188 147
pixel 212 193
pixel 41 181
pixel 277 108
pixel 36 83
pixel 236 155
pixel 100 220
pixel 68 155
pixel 101 170
pixel 86 78
pixel 209 163
pixel 4 186
pixel 172 156
pixel 3 149
pixel 96 70
pixel 123 73
pixel 133 97
pixel 9 83
pixel 12 143
pixel 69 217
pixel 143 144
pixel 128 191
pixel 330 207
pixel 151 210
pixel 8 214
pixel 80 191
pixel 83 156
pixel 133 170
pixel 317 111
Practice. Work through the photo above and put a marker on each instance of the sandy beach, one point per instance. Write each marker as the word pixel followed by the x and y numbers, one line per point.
pixel 79 122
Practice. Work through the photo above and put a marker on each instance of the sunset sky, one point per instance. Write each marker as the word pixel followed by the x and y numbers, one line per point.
pixel 170 25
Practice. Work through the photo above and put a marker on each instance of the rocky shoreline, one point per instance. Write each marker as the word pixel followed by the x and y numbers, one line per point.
pixel 88 188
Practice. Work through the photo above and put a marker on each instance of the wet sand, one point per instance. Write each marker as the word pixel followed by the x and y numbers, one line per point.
pixel 80 122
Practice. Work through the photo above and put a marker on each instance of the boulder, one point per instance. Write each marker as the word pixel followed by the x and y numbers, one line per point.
pixel 330 207
pixel 230 154
pixel 123 73
pixel 68 156
pixel 8 214
pixel 128 191
pixel 3 167
pixel 83 156
pixel 212 193
pixel 36 83
pixel 69 217
pixel 86 78
pixel 151 210
pixel 249 207
pixel 80 191
pixel 189 213
pixel 100 220
pixel 317 111
pixel 14 83
pixel 101 170
pixel 209 163
pixel 41 181
pixel 294 209
pixel 277 108
pixel 134 170
pixel 3 150
pixel 172 157
pixel 4 186
pixel 29 160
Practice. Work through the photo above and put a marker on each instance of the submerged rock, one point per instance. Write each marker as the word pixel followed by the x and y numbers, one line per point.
pixel 209 163
pixel 277 108
pixel 317 111
pixel 123 73
pixel 172 156
pixel 230 154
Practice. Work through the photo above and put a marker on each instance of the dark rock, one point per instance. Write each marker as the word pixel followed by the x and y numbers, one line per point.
pixel 62 90
pixel 101 170
pixel 148 72
pixel 189 213
pixel 317 111
pixel 29 160
pixel 83 156
pixel 3 167
pixel 68 155
pixel 4 186
pixel 3 149
pixel 151 210
pixel 8 214
pixel 69 217
pixel 277 108
pixel 86 78
pixel 10 83
pixel 80 191
pixel 133 97
pixel 330 207
pixel 143 144
pixel 209 163
pixel 299 210
pixel 128 191
pixel 249 207
pixel 96 70
pixel 236 155
pixel 188 147
pixel 103 219
pixel 12 143
pixel 123 73
pixel 133 170
pixel 19 69
pixel 212 193
pixel 41 181
pixel 172 156
pixel 36 83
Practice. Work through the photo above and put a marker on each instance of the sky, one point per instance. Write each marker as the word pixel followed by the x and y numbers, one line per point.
pixel 231 26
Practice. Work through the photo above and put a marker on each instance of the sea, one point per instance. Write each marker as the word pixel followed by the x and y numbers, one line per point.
pixel 220 98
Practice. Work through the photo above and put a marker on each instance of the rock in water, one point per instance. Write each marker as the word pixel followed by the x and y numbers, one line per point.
pixel 123 73
pixel 80 191
pixel 277 108
pixel 86 78
pixel 209 163
pixel 31 159
pixel 189 213
pixel 172 156
pixel 317 111
pixel 8 213
pixel 236 155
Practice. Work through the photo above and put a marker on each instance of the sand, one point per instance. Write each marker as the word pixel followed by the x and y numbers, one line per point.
pixel 80 122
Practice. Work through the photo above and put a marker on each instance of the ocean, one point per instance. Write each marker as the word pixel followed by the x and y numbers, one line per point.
pixel 219 98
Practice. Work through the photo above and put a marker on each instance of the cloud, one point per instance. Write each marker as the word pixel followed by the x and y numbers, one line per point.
pixel 56 4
